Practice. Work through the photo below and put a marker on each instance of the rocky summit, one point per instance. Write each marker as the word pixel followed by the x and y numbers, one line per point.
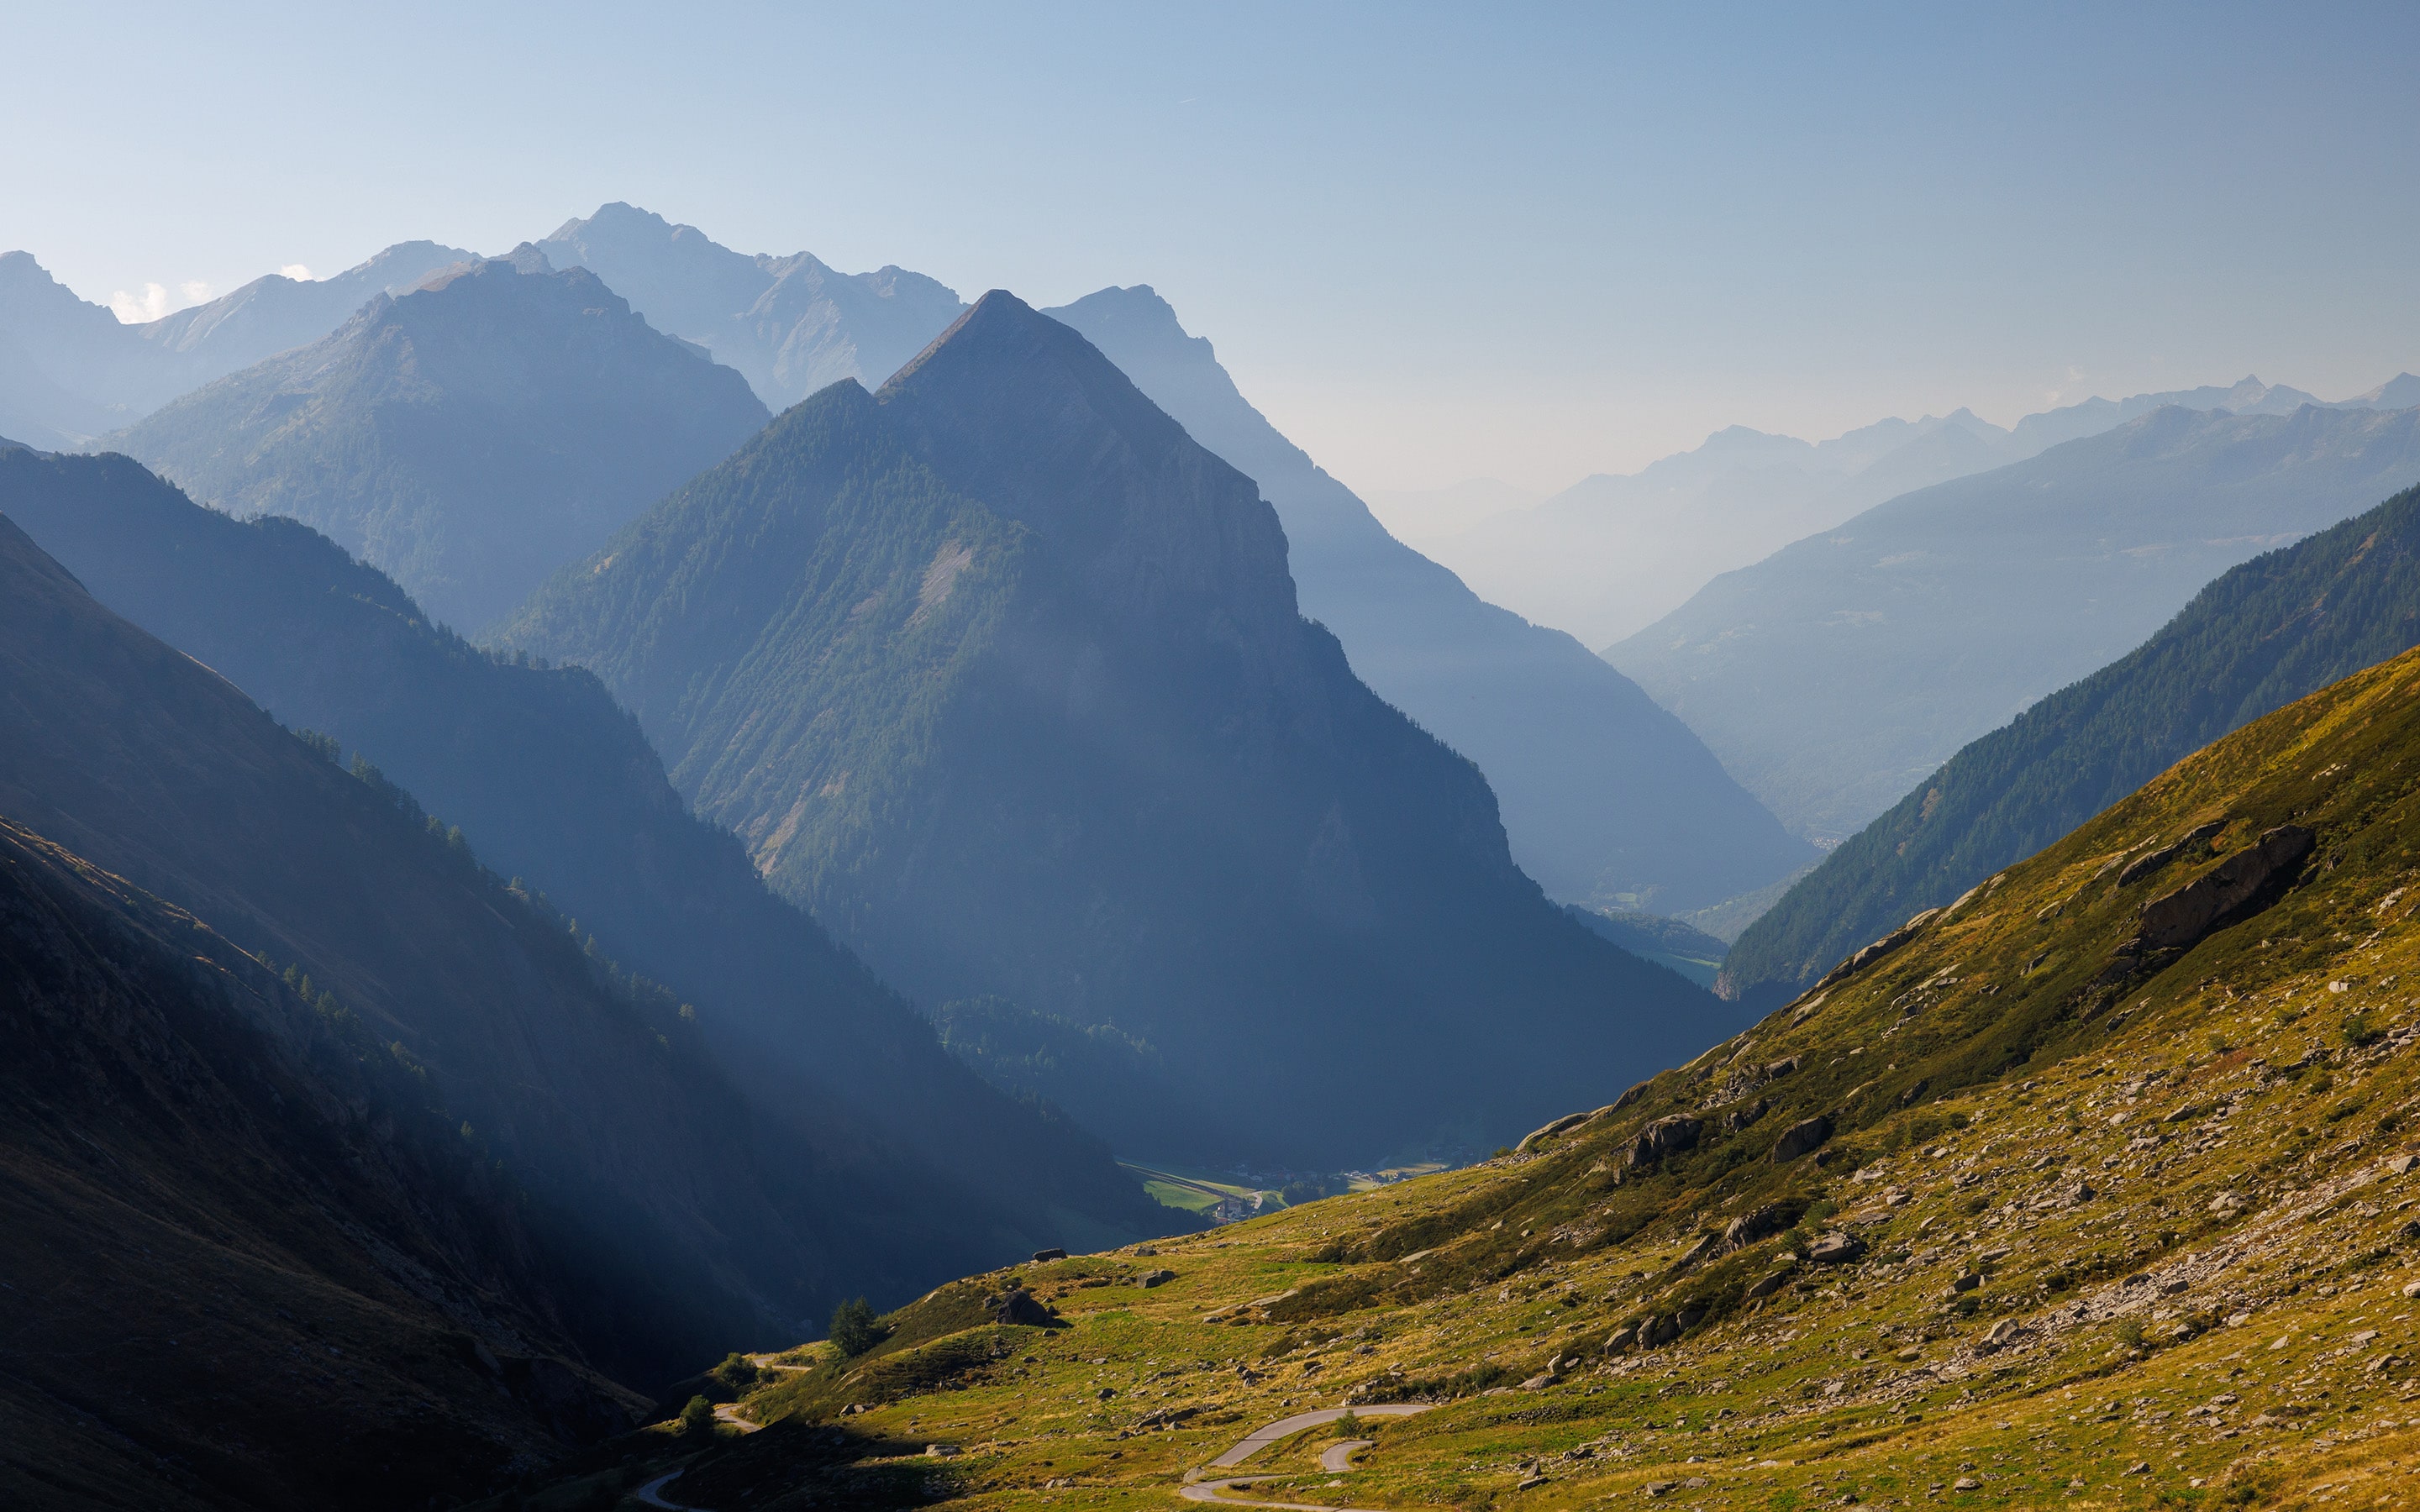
pixel 2098 1188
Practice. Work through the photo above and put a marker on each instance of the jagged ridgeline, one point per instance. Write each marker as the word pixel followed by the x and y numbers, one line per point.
pixel 2097 1187
pixel 1002 675
pixel 554 784
pixel 2260 637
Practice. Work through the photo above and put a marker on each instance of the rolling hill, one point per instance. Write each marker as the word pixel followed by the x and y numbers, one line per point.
pixel 1002 675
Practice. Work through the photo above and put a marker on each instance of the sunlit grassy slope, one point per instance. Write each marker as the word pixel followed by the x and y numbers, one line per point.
pixel 2092 1226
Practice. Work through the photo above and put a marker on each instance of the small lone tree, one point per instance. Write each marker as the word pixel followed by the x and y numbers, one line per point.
pixel 697 1419
pixel 853 1328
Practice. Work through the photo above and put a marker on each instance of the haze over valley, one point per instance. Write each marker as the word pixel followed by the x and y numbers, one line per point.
pixel 1296 809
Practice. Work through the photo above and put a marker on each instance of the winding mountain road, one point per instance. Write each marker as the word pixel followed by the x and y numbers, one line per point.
pixel 1335 1460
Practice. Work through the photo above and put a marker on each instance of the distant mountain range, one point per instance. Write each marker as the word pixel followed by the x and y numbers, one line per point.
pixel 1001 674
pixel 70 370
pixel 1840 671
pixel 1607 799
pixel 1612 554
pixel 468 437
pixel 2266 633
pixel 554 784
pixel 790 324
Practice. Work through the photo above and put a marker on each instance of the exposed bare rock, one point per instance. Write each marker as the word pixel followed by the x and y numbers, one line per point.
pixel 2178 919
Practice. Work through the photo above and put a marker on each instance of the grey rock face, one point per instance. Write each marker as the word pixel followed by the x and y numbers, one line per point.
pixel 1666 1137
pixel 2182 917
pixel 1801 1138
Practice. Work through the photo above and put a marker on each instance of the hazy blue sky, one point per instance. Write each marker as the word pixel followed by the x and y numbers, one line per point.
pixel 1531 242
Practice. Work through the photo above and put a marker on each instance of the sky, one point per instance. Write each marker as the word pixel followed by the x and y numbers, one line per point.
pixel 1527 242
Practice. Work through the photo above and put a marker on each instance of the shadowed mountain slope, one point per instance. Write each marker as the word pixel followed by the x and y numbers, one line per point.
pixel 1606 797
pixel 553 783
pixel 1838 673
pixel 2263 635
pixel 790 325
pixel 2097 1190
pixel 680 1216
pixel 248 1266
pixel 1002 675
pixel 468 436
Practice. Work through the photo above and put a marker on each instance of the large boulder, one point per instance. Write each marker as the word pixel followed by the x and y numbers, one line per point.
pixel 2178 919
pixel 1021 1307
pixel 1666 1137
pixel 1800 1137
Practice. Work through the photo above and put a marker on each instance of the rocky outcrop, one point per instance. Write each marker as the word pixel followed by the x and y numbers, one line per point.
pixel 1666 1137
pixel 1021 1307
pixel 1749 1228
pixel 2143 866
pixel 2177 919
pixel 1800 1137
pixel 1875 952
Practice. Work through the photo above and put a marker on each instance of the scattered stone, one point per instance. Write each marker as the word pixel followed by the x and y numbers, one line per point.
pixel 1154 1278
pixel 2140 1467
pixel 1042 1255
pixel 1966 1483
pixel 1534 1480
pixel 1766 1285
pixel 942 1451
pixel 2004 1333
pixel 1836 1248
pixel 1784 1067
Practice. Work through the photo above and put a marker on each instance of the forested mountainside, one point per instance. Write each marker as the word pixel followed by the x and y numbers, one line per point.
pixel 2278 627
pixel 1606 798
pixel 553 783
pixel 251 1263
pixel 1002 675
pixel 2095 1188
pixel 677 1216
pixel 468 438
pixel 791 325
pixel 69 370
pixel 1841 671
